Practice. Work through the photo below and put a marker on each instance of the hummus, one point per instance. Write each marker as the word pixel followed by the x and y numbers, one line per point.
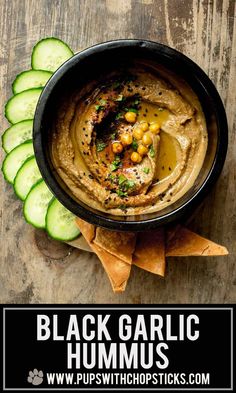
pixel 98 132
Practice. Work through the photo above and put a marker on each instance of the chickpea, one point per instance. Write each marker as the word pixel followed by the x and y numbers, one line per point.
pixel 135 157
pixel 117 147
pixel 147 139
pixel 142 150
pixel 138 133
pixel 144 126
pixel 126 139
pixel 130 117
pixel 154 128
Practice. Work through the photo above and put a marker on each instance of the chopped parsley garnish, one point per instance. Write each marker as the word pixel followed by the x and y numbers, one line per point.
pixel 122 207
pixel 124 185
pixel 111 177
pixel 119 116
pixel 100 145
pixel 120 98
pixel 137 101
pixel 100 107
pixel 130 184
pixel 134 145
pixel 121 193
pixel 122 179
pixel 131 110
pixel 113 136
pixel 113 167
pixel 152 151
pixel 115 164
pixel 146 170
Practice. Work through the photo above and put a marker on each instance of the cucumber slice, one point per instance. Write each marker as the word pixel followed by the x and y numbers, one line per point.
pixel 26 177
pixel 36 204
pixel 29 80
pixel 22 106
pixel 60 222
pixel 14 160
pixel 49 54
pixel 17 134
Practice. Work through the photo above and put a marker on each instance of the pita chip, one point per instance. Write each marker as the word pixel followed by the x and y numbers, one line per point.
pixel 187 243
pixel 171 231
pixel 119 244
pixel 117 270
pixel 149 253
pixel 80 243
pixel 88 230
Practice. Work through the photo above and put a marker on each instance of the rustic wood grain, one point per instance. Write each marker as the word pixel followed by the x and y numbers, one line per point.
pixel 34 269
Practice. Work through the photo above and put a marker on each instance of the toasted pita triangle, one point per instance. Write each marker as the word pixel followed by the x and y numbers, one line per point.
pixel 119 244
pixel 187 243
pixel 117 270
pixel 171 231
pixel 150 251
pixel 88 230
pixel 80 243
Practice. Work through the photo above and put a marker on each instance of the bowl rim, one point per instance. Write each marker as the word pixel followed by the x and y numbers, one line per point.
pixel 96 217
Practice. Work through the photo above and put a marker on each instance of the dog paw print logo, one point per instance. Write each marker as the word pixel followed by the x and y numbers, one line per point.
pixel 35 377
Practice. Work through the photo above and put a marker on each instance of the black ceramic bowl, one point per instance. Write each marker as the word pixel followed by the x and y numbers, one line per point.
pixel 88 65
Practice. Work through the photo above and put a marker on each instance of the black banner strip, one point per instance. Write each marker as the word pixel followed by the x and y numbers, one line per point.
pixel 118 348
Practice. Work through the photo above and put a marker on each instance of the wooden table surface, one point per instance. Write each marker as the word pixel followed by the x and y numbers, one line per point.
pixel 34 269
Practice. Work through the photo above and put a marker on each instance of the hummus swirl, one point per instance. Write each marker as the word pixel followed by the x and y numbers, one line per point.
pixel 91 121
